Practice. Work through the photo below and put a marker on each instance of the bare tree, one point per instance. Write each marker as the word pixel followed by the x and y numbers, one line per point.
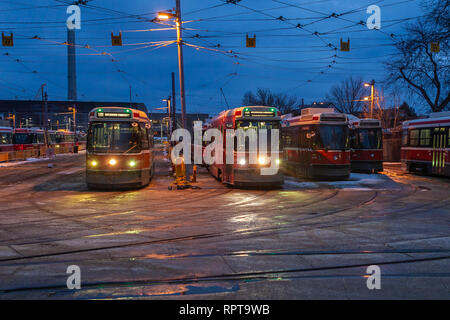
pixel 348 96
pixel 425 73
pixel 264 97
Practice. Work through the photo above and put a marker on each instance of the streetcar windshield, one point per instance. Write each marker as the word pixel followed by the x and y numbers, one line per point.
pixel 368 139
pixel 5 138
pixel 23 138
pixel 256 125
pixel 331 137
pixel 113 137
pixel 253 125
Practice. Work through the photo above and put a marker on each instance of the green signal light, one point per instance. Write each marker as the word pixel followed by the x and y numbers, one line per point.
pixel 127 110
pixel 99 110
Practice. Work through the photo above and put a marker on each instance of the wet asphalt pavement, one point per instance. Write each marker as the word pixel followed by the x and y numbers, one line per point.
pixel 308 240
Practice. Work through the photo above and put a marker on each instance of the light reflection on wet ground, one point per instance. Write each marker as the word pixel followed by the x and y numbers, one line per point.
pixel 308 240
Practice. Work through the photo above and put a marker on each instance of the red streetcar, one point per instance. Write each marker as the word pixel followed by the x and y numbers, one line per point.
pixel 64 141
pixel 245 174
pixel 366 145
pixel 426 145
pixel 6 143
pixel 28 139
pixel 316 144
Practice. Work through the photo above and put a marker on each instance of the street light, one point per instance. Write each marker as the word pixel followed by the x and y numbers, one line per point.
pixel 370 84
pixel 163 15
pixel 169 111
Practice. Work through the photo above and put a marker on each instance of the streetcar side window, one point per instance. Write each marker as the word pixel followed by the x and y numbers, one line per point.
pixel 405 138
pixel 414 138
pixel 5 138
pixel 144 137
pixel 150 138
pixel 425 137
pixel 448 137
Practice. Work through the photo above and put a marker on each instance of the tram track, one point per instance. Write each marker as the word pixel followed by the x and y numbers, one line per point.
pixel 250 232
pixel 296 223
pixel 276 274
pixel 86 216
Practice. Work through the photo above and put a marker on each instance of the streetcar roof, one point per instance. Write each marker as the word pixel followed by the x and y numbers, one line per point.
pixel 435 119
pixel 28 130
pixel 117 114
pixel 364 123
pixel 259 113
pixel 315 116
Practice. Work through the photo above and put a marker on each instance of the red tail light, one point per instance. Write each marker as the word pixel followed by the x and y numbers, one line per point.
pixel 238 113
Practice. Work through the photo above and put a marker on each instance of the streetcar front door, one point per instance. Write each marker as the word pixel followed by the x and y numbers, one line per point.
pixel 439 150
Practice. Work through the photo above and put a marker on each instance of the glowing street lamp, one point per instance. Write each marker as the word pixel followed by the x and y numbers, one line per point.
pixel 165 15
pixel 370 84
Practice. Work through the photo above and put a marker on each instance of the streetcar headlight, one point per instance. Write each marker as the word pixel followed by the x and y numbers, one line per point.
pixel 242 162
pixel 132 163
pixel 94 163
pixel 262 160
pixel 113 162
pixel 277 161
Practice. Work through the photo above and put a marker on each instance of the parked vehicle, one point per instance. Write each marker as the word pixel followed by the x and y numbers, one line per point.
pixel 426 145
pixel 316 144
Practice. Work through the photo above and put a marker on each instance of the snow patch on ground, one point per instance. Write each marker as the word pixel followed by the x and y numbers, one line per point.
pixel 31 160
pixel 356 182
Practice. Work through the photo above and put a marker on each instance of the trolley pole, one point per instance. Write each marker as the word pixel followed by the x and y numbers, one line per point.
pixel 178 23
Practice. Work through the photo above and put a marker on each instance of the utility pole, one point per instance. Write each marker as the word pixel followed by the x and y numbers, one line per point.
pixel 74 112
pixel 130 96
pixel 169 113
pixel 372 96
pixel 71 66
pixel 178 23
pixel 173 108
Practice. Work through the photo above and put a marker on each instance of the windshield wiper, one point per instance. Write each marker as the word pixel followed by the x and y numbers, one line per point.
pixel 130 148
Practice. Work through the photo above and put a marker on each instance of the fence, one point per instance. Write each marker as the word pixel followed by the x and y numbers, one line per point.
pixel 36 153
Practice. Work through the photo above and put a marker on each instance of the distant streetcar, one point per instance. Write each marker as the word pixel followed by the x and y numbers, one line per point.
pixel 119 148
pixel 28 139
pixel 316 144
pixel 246 174
pixel 366 142
pixel 426 144
pixel 6 143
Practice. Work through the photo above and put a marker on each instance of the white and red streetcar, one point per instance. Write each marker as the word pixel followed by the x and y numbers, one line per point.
pixel 366 142
pixel 316 144
pixel 426 145
pixel 245 173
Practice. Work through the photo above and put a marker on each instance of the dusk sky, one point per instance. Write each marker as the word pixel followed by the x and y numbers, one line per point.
pixel 286 59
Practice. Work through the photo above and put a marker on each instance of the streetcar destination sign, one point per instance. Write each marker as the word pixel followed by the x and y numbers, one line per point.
pixel 113 115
